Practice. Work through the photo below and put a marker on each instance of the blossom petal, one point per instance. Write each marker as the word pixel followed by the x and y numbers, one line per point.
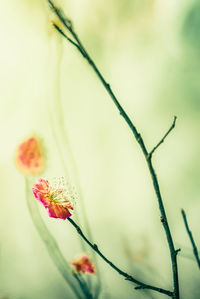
pixel 58 211
pixel 55 200
pixel 88 268
pixel 41 192
pixel 84 265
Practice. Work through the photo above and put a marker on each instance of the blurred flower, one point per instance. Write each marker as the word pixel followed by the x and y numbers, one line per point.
pixel 29 157
pixel 54 199
pixel 84 265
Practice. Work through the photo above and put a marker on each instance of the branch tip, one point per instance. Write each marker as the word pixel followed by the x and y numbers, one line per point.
pixel 183 212
pixel 163 138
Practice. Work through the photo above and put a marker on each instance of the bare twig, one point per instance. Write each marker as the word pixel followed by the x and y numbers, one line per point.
pixel 163 139
pixel 173 252
pixel 65 36
pixel 124 274
pixel 195 251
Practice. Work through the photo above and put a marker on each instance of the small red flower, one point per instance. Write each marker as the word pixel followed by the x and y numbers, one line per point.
pixel 84 265
pixel 29 157
pixel 53 198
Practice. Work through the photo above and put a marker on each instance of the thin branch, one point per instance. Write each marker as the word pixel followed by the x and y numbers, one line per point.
pixel 65 36
pixel 164 137
pixel 124 274
pixel 173 252
pixel 195 251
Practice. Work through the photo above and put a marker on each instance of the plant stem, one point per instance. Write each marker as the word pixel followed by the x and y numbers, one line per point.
pixel 124 274
pixel 195 251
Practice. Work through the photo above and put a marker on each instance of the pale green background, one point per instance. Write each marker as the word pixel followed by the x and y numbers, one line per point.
pixel 148 51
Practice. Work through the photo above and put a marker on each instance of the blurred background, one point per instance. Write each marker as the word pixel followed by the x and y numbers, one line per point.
pixel 148 50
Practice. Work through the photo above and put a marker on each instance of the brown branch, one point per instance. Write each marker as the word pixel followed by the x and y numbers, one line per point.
pixel 195 251
pixel 128 277
pixel 173 252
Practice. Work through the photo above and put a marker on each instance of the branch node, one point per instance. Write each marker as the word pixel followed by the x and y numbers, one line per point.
pixel 129 278
pixel 149 156
pixel 95 247
pixel 79 230
pixel 177 251
pixel 138 287
pixel 69 23
pixel 138 138
pixel 162 219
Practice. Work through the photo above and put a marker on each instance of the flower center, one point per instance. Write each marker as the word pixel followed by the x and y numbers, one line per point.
pixel 58 196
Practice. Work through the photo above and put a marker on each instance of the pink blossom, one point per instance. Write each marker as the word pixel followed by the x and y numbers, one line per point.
pixel 29 156
pixel 84 265
pixel 54 199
